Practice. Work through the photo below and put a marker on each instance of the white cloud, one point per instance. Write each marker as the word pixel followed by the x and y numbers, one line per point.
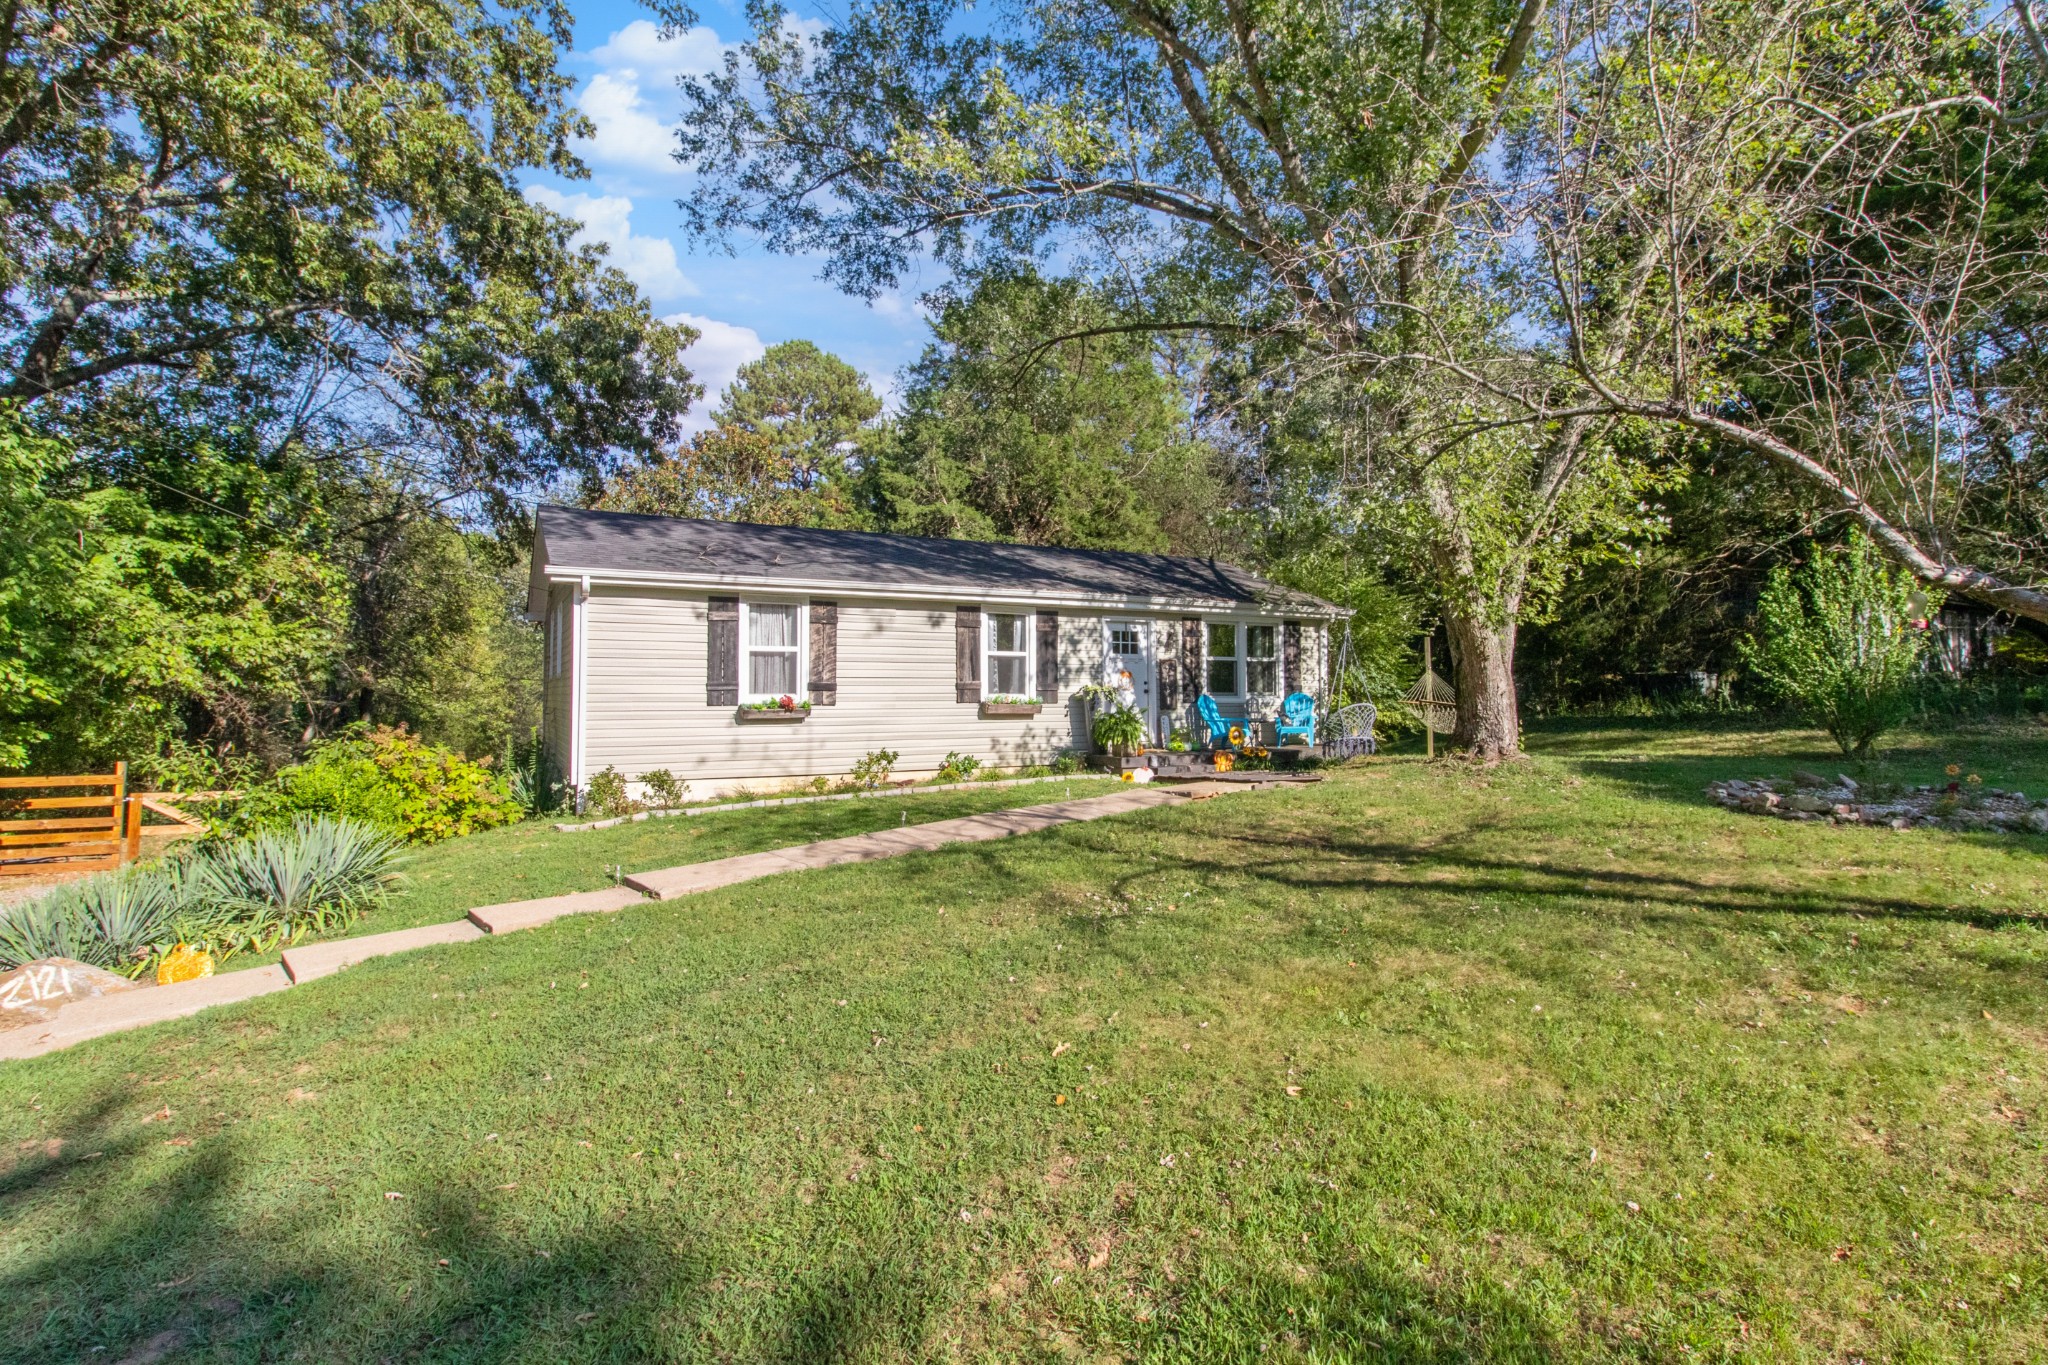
pixel 628 132
pixel 714 358
pixel 649 262
pixel 639 47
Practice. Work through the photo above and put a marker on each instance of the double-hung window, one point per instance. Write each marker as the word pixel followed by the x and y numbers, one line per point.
pixel 1008 655
pixel 1223 659
pixel 771 650
pixel 1261 659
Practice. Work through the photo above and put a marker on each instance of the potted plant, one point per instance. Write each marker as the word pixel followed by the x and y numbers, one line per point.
pixel 1118 731
pixel 775 711
pixel 1002 705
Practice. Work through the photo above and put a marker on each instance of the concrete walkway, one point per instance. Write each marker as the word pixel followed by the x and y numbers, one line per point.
pixel 83 1019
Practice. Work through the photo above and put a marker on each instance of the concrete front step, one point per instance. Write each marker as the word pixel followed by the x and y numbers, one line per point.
pixel 316 960
pixel 511 915
pixel 83 1019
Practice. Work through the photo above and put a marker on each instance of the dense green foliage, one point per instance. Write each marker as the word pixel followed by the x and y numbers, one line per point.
pixel 780 453
pixel 389 779
pixel 243 895
pixel 1840 638
pixel 185 579
pixel 1014 428
pixel 285 338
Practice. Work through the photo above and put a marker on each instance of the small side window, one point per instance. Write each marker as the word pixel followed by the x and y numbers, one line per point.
pixel 1223 658
pixel 1009 655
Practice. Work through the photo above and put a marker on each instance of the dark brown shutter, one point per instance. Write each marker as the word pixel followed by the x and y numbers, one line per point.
pixel 824 653
pixel 1169 669
pixel 1191 646
pixel 967 654
pixel 722 653
pixel 1290 655
pixel 1048 656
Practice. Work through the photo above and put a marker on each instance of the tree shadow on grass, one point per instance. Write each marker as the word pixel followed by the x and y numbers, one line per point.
pixel 194 1261
pixel 1337 860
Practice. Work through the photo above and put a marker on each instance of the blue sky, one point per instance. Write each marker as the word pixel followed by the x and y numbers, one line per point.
pixel 626 83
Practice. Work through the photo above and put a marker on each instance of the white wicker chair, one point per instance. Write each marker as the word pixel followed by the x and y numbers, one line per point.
pixel 1352 724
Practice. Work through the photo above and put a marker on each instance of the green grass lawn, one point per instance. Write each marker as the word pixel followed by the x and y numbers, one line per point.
pixel 524 862
pixel 1426 1062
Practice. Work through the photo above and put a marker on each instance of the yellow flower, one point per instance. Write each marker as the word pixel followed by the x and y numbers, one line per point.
pixel 184 963
pixel 1973 780
pixel 1953 769
pixel 1236 735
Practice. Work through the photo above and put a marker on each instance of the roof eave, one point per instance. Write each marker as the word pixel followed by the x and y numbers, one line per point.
pixel 899 590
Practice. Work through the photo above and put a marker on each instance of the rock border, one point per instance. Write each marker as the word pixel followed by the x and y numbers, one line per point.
pixel 1844 801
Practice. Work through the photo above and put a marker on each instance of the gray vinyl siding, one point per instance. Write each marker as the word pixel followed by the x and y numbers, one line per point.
pixel 646 673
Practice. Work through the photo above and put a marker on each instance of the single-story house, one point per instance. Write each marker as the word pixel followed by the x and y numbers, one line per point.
pixel 663 634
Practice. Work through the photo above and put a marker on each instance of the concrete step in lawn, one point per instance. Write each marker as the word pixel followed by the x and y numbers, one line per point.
pixel 91 1018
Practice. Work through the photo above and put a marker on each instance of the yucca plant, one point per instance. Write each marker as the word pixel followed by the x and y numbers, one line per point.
pixel 280 884
pixel 115 920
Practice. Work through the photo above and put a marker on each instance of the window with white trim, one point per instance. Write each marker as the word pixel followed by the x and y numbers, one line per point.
pixel 1261 659
pixel 771 650
pixel 1006 655
pixel 1223 659
pixel 558 627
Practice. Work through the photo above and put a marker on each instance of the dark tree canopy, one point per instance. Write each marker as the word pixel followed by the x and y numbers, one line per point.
pixel 320 197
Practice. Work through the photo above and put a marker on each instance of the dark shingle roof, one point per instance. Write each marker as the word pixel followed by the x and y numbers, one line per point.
pixel 625 542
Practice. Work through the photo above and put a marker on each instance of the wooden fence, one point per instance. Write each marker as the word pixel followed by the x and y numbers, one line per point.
pixel 100 829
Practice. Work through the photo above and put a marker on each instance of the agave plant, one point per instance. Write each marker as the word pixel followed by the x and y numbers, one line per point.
pixel 116 920
pixel 279 884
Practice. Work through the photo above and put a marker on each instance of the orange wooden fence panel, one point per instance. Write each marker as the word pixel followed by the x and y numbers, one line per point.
pixel 38 845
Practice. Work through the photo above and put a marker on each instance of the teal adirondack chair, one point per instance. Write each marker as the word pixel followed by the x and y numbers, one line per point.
pixel 1218 723
pixel 1297 717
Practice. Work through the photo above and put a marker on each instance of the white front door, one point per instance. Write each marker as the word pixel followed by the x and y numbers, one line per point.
pixel 1130 650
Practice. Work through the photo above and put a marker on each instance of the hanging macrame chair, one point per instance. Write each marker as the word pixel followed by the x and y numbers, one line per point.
pixel 1432 698
pixel 1354 722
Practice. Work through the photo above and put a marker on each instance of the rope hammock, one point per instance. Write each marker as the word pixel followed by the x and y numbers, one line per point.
pixel 1432 698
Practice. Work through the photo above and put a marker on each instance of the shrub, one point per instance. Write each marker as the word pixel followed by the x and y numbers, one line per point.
pixel 531 781
pixel 874 768
pixel 959 767
pixel 230 896
pixel 115 920
pixel 1066 763
pixel 282 883
pixel 388 778
pixel 663 787
pixel 605 794
pixel 1120 730
pixel 1840 640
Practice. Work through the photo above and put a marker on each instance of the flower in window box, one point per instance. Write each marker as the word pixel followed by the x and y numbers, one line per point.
pixel 786 703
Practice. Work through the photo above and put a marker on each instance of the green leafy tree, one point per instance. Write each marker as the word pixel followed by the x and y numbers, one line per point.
pixel 1840 638
pixel 194 593
pixel 732 474
pixel 1308 186
pixel 320 197
pixel 436 638
pixel 809 403
pixel 1016 427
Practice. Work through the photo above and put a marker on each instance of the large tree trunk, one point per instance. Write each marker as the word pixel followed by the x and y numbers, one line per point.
pixel 1483 657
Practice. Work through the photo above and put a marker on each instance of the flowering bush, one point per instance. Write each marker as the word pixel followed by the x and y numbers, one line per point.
pixel 388 778
pixel 779 704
